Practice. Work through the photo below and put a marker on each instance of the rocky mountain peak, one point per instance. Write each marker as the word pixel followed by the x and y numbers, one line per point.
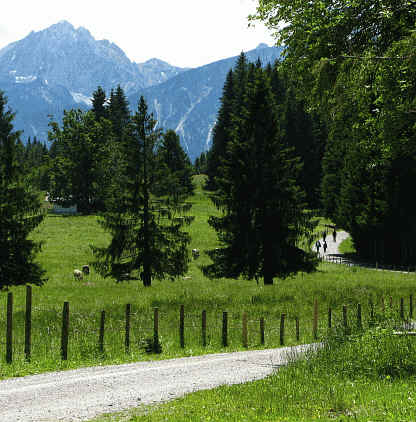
pixel 262 45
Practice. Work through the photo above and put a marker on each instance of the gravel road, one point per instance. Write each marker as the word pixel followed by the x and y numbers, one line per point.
pixel 82 394
pixel 333 246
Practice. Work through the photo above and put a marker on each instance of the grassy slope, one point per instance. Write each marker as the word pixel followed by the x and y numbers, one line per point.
pixel 67 241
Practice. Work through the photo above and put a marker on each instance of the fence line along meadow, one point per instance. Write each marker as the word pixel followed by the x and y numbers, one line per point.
pixel 242 327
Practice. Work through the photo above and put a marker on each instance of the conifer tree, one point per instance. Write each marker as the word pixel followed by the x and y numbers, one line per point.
pixel 20 212
pixel 263 222
pixel 176 163
pixel 200 164
pixel 222 129
pixel 146 229
pixel 118 112
pixel 99 107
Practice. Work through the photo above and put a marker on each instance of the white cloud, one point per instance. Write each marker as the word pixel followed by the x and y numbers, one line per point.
pixel 182 32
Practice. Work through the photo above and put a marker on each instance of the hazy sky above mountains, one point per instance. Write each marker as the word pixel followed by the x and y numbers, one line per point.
pixel 185 33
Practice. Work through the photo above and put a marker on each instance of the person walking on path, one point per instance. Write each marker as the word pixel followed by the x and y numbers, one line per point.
pixel 318 245
pixel 334 235
pixel 325 246
pixel 324 235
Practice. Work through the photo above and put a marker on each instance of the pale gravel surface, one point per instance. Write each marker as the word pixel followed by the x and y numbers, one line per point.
pixel 333 246
pixel 82 394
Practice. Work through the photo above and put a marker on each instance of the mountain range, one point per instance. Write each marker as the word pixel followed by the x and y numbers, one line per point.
pixel 58 68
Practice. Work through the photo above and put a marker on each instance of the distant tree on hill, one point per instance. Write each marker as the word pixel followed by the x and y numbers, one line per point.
pixel 118 112
pixel 20 212
pixel 176 164
pixel 79 172
pixel 145 221
pixel 99 107
pixel 263 223
pixel 200 164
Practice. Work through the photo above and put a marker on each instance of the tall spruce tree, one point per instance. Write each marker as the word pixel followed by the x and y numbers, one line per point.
pixel 20 212
pixel 221 133
pixel 99 106
pixel 263 222
pixel 146 228
pixel 118 112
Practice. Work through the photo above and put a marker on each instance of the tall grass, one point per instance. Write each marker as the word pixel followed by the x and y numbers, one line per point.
pixel 368 375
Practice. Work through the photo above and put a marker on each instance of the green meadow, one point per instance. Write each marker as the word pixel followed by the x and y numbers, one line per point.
pixel 367 377
pixel 66 246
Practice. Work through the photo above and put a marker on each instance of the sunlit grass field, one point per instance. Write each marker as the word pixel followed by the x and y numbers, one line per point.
pixel 66 246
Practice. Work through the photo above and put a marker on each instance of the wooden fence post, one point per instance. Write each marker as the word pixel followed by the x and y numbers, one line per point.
pixel 262 331
pixel 329 317
pixel 315 319
pixel 371 309
pixel 345 317
pixel 401 308
pixel 127 330
pixel 204 328
pixel 225 329
pixel 359 316
pixel 65 331
pixel 282 329
pixel 297 328
pixel 101 335
pixel 9 329
pixel 156 347
pixel 245 334
pixel 182 326
pixel 28 323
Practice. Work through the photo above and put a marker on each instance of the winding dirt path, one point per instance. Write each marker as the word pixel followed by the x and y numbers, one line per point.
pixel 82 394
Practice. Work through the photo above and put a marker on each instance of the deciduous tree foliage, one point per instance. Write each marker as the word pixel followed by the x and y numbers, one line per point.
pixel 20 212
pixel 79 172
pixel 356 64
pixel 263 221
pixel 146 229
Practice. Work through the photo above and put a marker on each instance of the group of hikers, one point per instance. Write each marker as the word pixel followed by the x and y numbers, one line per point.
pixel 324 244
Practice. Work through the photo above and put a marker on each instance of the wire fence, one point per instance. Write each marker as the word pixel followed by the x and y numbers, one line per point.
pixel 351 261
pixel 61 334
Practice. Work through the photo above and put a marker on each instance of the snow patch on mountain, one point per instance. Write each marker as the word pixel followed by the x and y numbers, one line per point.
pixel 25 79
pixel 209 137
pixel 81 98
pixel 206 91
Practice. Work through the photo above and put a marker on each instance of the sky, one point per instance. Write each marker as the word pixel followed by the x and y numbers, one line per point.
pixel 185 33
